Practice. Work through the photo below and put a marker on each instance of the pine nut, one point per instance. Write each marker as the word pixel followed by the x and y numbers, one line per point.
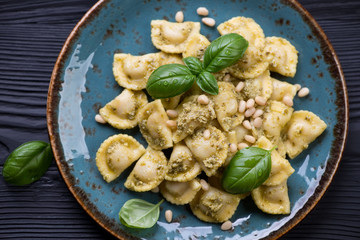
pixel 207 134
pixel 250 103
pixel 249 138
pixel 99 119
pixel 260 100
pixel 246 124
pixel 172 113
pixel 226 78
pixel 179 17
pixel 258 113
pixel 202 11
pixel 226 225
pixel 257 122
pixel 250 112
pixel 171 123
pixel 168 215
pixel 208 21
pixel 203 99
pixel 288 101
pixel 242 145
pixel 233 147
pixel 155 190
pixel 240 86
pixel 204 185
pixel 303 92
pixel 297 86
pixel 242 106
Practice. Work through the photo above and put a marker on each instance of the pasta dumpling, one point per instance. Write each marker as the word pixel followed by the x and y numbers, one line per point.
pixel 196 46
pixel 182 166
pixel 303 128
pixel 272 199
pixel 122 112
pixel 172 37
pixel 171 103
pixel 167 58
pixel 226 106
pixel 259 86
pixel 152 124
pixel 282 89
pixel 214 205
pixel 210 153
pixel 180 193
pixel 116 154
pixel 148 172
pixel 283 55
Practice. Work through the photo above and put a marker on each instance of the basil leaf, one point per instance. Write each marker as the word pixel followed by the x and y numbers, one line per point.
pixel 207 82
pixel 248 169
pixel 27 163
pixel 224 52
pixel 137 213
pixel 194 65
pixel 169 80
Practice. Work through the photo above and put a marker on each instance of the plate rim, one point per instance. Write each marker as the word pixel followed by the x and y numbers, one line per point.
pixel 326 179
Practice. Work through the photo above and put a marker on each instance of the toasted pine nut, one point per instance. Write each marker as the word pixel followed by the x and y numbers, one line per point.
pixel 172 113
pixel 202 11
pixel 207 134
pixel 242 106
pixel 171 123
pixel 257 122
pixel 297 86
pixel 260 100
pixel 99 119
pixel 250 103
pixel 242 145
pixel 168 215
pixel 240 86
pixel 288 101
pixel 246 124
pixel 208 21
pixel 250 112
pixel 226 78
pixel 249 138
pixel 155 190
pixel 179 17
pixel 258 113
pixel 204 185
pixel 233 147
pixel 203 99
pixel 303 92
pixel 226 225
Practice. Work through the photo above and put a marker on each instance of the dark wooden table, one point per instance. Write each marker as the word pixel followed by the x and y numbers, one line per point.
pixel 32 33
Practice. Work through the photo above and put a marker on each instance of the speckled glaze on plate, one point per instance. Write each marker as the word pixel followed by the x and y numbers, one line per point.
pixel 82 82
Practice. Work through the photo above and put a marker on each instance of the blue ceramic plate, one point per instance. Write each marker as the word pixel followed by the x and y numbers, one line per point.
pixel 82 82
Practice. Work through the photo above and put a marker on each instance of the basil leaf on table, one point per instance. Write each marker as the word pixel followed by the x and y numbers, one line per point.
pixel 169 80
pixel 194 65
pixel 207 82
pixel 27 163
pixel 137 213
pixel 247 170
pixel 224 52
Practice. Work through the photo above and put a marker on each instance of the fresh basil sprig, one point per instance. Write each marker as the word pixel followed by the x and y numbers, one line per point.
pixel 27 163
pixel 247 170
pixel 173 79
pixel 137 213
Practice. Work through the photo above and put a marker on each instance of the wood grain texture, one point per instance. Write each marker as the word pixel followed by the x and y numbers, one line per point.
pixel 32 33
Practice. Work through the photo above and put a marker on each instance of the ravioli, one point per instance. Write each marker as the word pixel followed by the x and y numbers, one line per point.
pixel 116 154
pixel 182 166
pixel 214 205
pixel 152 124
pixel 172 37
pixel 210 153
pixel 272 199
pixel 180 193
pixel 259 86
pixel 167 58
pixel 171 103
pixel 283 54
pixel 148 172
pixel 122 112
pixel 303 128
pixel 282 89
pixel 191 116
pixel 226 106
pixel 196 46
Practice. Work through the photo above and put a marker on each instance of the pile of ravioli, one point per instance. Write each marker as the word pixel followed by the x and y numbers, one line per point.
pixel 177 178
